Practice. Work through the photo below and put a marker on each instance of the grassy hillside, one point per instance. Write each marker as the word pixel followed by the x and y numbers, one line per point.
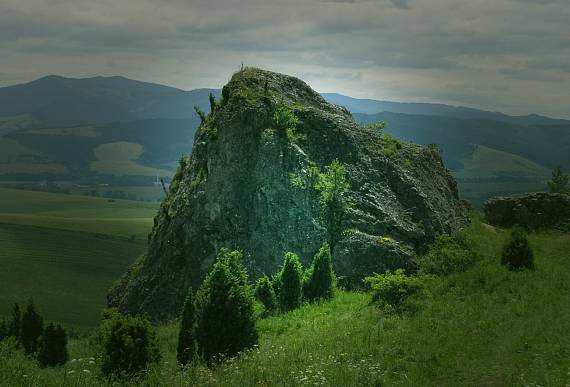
pixel 135 148
pixel 487 163
pixel 488 172
pixel 487 326
pixel 65 251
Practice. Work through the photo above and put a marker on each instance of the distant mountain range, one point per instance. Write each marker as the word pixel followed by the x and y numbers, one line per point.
pixel 113 128
pixel 59 101
pixel 371 106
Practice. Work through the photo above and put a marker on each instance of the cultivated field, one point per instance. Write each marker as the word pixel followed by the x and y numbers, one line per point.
pixel 65 251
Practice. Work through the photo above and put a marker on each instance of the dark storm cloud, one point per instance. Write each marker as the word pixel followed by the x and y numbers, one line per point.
pixel 491 53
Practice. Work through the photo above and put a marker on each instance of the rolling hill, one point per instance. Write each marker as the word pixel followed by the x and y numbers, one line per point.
pixel 58 101
pixel 120 131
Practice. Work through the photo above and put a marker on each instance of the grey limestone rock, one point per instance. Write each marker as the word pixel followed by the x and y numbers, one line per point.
pixel 247 185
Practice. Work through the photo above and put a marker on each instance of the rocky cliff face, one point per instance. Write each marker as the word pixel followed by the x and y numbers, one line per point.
pixel 534 211
pixel 247 185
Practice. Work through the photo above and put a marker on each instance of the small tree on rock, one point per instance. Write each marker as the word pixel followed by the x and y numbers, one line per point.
pixel 265 294
pixel 319 279
pixel 334 201
pixel 53 346
pixel 559 181
pixel 32 329
pixel 291 283
pixel 224 306
pixel 186 338
pixel 517 253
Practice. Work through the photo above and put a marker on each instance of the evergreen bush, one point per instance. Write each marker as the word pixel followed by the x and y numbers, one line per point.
pixel 393 291
pixel 3 329
pixel 32 327
pixel 128 344
pixel 15 324
pixel 265 294
pixel 517 253
pixel 186 338
pixel 559 181
pixel 224 307
pixel 319 279
pixel 53 346
pixel 448 254
pixel 290 284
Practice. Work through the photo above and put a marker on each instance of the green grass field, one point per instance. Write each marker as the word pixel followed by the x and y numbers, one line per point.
pixel 77 213
pixel 65 251
pixel 483 327
pixel 120 158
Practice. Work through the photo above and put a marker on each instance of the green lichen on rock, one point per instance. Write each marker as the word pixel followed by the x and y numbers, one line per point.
pixel 259 193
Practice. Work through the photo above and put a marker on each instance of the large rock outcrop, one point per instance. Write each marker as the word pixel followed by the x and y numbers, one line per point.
pixel 534 211
pixel 247 186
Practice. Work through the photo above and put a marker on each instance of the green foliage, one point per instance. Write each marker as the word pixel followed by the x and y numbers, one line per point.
pixel 53 346
pixel 334 200
pixel 213 104
pixel 265 294
pixel 186 350
pixel 517 252
pixel 319 279
pixel 559 181
pixel 128 344
pixel 290 283
pixel 268 133
pixel 224 305
pixel 313 175
pixel 386 241
pixel 200 177
pixel 293 136
pixel 15 324
pixel 379 126
pixel 3 329
pixel 448 254
pixel 276 284
pixel 285 119
pixel 296 180
pixel 32 329
pixel 200 114
pixel 392 291
pixel 390 145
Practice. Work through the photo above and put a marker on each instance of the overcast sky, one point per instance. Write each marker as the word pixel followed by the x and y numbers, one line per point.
pixel 506 55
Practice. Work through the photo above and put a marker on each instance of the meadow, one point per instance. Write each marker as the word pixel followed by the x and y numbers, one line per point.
pixel 65 251
pixel 486 326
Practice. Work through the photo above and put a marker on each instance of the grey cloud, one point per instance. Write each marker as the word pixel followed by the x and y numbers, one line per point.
pixel 402 4
pixel 368 48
